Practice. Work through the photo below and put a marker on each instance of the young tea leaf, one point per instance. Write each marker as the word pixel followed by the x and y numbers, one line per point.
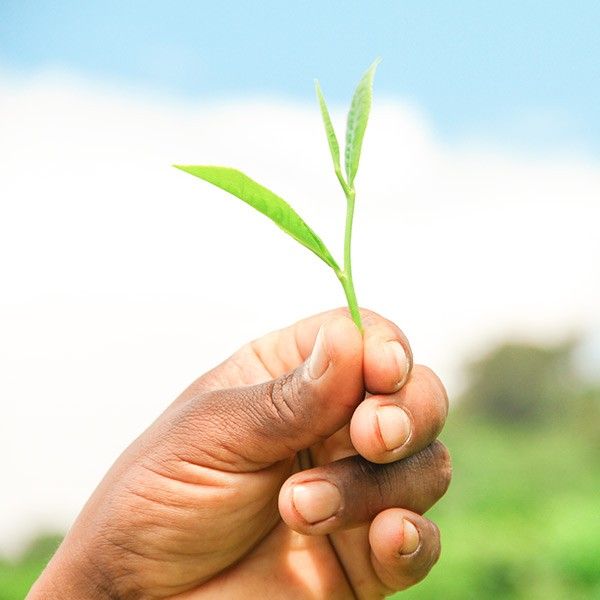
pixel 334 147
pixel 266 202
pixel 357 121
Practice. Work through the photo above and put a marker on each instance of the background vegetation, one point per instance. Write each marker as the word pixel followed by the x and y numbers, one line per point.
pixel 520 520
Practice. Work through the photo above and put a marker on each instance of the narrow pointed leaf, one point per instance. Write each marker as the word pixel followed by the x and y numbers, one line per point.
pixel 266 202
pixel 357 121
pixel 334 147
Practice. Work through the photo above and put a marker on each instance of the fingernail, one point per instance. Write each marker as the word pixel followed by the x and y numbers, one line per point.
pixel 394 426
pixel 319 359
pixel 401 360
pixel 410 538
pixel 316 500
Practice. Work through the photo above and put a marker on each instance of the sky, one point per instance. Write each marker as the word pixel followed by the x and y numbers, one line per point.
pixel 123 279
pixel 522 71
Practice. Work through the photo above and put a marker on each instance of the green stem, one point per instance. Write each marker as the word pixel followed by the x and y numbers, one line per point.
pixel 345 276
pixel 338 173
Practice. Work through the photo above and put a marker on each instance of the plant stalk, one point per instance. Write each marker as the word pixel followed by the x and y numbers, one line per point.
pixel 345 276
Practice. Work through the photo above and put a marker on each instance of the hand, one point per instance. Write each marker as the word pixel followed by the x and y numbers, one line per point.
pixel 298 468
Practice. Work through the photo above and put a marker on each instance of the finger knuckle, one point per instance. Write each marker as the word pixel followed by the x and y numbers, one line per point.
pixel 377 482
pixel 285 402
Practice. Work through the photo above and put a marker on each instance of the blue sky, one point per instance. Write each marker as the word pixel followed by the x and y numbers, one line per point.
pixel 519 71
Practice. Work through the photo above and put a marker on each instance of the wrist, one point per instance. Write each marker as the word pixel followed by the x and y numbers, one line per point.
pixel 71 575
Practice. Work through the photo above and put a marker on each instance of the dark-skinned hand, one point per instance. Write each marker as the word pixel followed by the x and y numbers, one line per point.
pixel 299 468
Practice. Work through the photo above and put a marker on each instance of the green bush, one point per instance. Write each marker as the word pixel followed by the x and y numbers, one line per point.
pixel 16 577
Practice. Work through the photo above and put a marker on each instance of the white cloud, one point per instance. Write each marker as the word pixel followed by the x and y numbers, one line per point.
pixel 123 279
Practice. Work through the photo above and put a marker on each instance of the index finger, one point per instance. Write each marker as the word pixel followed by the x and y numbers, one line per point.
pixel 388 357
pixel 387 353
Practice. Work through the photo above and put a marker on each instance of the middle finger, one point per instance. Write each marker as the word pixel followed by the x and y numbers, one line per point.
pixel 387 428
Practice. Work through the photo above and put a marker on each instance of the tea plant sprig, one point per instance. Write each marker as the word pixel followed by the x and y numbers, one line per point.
pixel 279 211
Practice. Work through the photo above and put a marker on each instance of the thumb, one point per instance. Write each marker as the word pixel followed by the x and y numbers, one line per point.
pixel 252 427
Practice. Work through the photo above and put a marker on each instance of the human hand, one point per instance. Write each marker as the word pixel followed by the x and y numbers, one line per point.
pixel 271 476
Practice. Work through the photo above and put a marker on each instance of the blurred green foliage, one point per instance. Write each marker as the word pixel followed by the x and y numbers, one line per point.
pixel 522 383
pixel 16 577
pixel 520 520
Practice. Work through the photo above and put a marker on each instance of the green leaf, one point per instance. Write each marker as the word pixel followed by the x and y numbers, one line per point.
pixel 334 147
pixel 266 202
pixel 357 121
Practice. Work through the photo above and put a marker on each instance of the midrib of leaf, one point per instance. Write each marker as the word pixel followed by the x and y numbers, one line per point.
pixel 265 201
pixel 358 116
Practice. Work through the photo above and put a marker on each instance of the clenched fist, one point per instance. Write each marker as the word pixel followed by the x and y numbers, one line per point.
pixel 298 468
